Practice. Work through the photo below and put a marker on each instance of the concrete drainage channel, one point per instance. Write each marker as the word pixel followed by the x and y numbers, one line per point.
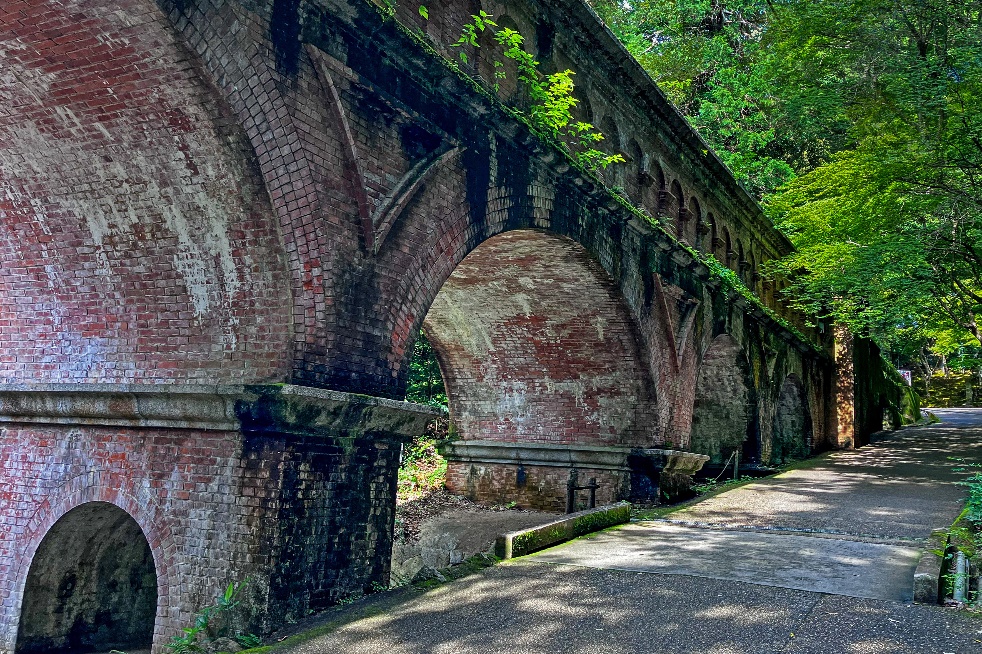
pixel 944 574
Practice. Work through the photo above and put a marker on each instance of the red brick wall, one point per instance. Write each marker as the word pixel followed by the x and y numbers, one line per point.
pixel 536 345
pixel 307 521
pixel 533 487
pixel 135 235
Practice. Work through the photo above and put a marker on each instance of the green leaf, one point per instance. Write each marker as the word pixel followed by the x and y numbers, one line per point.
pixel 424 12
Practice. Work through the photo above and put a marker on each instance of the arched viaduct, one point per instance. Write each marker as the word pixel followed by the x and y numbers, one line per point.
pixel 224 222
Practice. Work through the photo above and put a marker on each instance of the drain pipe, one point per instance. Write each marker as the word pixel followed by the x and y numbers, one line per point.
pixel 959 593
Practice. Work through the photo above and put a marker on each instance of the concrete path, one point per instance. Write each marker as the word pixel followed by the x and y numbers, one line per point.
pixel 822 565
pixel 816 560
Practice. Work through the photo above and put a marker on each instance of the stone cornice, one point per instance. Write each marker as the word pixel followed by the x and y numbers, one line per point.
pixel 283 409
pixel 570 455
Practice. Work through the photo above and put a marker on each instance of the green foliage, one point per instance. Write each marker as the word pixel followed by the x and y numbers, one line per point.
pixel 425 384
pixel 973 505
pixel 551 96
pixel 423 469
pixel 858 124
pixel 888 229
pixel 715 485
pixel 711 59
pixel 212 622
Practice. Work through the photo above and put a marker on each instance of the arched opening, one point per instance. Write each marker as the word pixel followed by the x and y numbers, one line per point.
pixel 712 244
pixel 635 163
pixel 542 367
pixel 792 437
pixel 752 277
pixel 92 585
pixel 614 174
pixel 724 414
pixel 695 225
pixel 655 192
pixel 675 208
pixel 729 256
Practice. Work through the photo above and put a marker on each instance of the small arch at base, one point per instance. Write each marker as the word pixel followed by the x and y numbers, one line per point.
pixel 92 586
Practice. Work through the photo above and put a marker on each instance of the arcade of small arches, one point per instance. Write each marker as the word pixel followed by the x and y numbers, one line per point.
pixel 646 177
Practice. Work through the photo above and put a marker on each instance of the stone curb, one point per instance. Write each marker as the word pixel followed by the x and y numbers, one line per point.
pixel 927 575
pixel 526 541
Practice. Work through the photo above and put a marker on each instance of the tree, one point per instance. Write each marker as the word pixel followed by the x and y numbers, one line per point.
pixel 711 60
pixel 857 122
pixel 888 229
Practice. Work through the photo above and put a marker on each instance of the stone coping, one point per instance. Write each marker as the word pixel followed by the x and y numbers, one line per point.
pixel 566 455
pixel 258 407
pixel 570 526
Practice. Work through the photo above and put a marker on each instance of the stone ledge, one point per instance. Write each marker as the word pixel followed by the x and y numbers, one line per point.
pixel 526 541
pixel 561 455
pixel 538 454
pixel 276 407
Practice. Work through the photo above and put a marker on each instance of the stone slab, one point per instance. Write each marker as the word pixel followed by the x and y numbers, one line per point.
pixel 526 541
pixel 821 565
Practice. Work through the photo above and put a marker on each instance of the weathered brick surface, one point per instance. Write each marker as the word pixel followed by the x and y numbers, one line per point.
pixel 536 345
pixel 533 487
pixel 304 519
pixel 135 236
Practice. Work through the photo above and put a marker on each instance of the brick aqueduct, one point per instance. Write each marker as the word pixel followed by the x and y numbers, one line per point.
pixel 224 223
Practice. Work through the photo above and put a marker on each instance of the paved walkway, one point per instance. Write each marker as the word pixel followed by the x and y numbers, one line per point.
pixel 816 560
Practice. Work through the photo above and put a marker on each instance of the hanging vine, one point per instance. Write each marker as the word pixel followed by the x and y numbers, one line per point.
pixel 551 96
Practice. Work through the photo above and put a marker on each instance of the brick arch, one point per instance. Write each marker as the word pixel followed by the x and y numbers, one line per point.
pixel 727 249
pixel 724 416
pixel 695 223
pixel 92 584
pixel 614 174
pixel 537 346
pixel 634 171
pixel 656 193
pixel 712 245
pixel 751 274
pixel 86 489
pixel 315 196
pixel 675 208
pixel 741 261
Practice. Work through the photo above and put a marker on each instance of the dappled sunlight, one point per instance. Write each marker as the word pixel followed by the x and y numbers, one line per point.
pixel 783 560
pixel 539 608
pixel 901 486
pixel 873 646
pixel 737 614
pixel 694 583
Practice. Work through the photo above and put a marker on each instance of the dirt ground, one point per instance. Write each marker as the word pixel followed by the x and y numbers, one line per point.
pixel 438 530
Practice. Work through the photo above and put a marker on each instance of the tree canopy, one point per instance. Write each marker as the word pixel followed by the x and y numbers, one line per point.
pixel 858 125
